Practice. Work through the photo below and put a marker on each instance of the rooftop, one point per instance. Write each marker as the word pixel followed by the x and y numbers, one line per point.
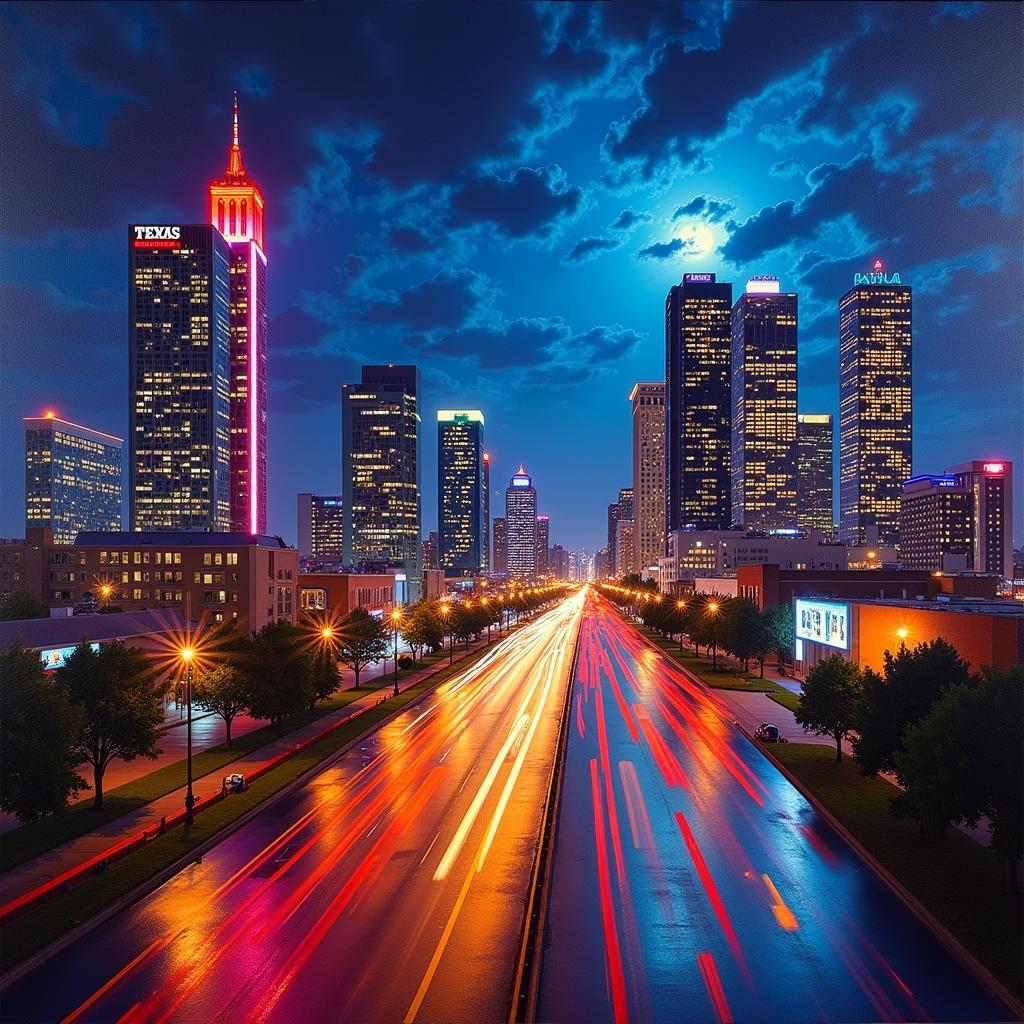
pixel 951 603
pixel 70 630
pixel 176 538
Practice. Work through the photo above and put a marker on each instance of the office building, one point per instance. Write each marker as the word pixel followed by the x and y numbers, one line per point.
pixel 698 409
pixel 875 405
pixel 814 473
pixel 521 520
pixel 626 503
pixel 543 539
pixel 460 490
pixel 648 405
pixel 557 564
pixel 625 550
pixel 179 373
pixel 935 524
pixel 500 546
pixel 72 477
pixel 380 489
pixel 332 595
pixel 237 211
pixel 429 551
pixel 990 486
pixel 486 552
pixel 763 394
pixel 319 526
pixel 222 576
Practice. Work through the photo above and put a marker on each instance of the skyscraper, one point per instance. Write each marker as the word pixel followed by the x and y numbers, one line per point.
pixel 990 485
pixel 543 539
pixel 626 503
pixel 320 526
pixel 486 552
pixel 380 469
pixel 875 405
pixel 814 473
pixel 179 378
pixel 698 412
pixel 763 393
pixel 625 556
pixel 500 546
pixel 460 490
pixel 237 211
pixel 72 477
pixel 521 520
pixel 935 524
pixel 648 401
pixel 428 551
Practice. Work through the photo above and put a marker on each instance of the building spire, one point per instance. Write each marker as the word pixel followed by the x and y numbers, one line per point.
pixel 235 168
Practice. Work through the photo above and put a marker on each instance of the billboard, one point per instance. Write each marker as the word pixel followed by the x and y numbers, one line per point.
pixel 823 622
pixel 57 657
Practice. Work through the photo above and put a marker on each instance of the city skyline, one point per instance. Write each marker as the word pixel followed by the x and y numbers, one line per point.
pixel 470 264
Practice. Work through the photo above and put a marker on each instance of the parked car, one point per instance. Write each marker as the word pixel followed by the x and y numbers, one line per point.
pixel 234 783
pixel 768 733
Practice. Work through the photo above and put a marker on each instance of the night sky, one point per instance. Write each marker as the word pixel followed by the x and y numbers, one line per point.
pixel 503 194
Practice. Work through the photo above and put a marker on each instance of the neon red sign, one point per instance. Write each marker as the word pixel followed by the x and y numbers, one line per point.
pixel 993 467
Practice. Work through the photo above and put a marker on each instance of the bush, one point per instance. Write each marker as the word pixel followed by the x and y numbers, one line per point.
pixel 405 661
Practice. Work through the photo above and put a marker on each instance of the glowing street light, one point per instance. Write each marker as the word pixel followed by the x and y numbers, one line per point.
pixel 446 612
pixel 187 655
pixel 396 619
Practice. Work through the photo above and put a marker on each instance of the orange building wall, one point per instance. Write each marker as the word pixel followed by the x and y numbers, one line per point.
pixel 979 639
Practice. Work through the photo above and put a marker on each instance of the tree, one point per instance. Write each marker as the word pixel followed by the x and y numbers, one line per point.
pixel 742 628
pixel 421 628
pixel 364 640
pixel 22 604
pixel 38 726
pixel 778 622
pixel 226 691
pixel 829 698
pixel 962 761
pixel 280 671
pixel 326 677
pixel 120 705
pixel 900 697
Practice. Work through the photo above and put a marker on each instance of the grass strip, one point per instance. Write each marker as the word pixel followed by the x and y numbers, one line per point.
pixel 724 678
pixel 37 928
pixel 34 838
pixel 954 877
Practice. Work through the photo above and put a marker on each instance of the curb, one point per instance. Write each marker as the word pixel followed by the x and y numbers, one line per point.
pixel 40 957
pixel 982 975
pixel 523 998
pixel 989 982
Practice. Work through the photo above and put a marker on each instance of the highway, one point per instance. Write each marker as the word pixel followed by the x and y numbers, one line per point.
pixel 690 881
pixel 389 888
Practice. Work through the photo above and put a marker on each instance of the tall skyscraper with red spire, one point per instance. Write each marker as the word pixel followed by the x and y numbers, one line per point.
pixel 237 211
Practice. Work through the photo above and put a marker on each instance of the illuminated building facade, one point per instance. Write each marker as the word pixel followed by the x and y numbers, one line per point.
pixel 543 539
pixel 486 553
pixel 625 549
pixel 237 211
pixel 380 474
pixel 648 402
pixel 251 580
pixel 460 490
pixel 500 546
pixel 521 521
pixel 763 393
pixel 626 503
pixel 320 526
pixel 698 412
pixel 814 473
pixel 72 477
pixel 179 429
pixel 935 524
pixel 990 486
pixel 875 406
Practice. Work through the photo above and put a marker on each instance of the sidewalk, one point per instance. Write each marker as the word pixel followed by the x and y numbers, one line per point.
pixel 41 869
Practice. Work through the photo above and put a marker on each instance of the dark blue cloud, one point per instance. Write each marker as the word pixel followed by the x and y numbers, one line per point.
pixel 529 203
pixel 447 299
pixel 711 210
pixel 590 248
pixel 665 250
pixel 630 219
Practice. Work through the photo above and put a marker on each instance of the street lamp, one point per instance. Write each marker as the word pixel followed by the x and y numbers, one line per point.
pixel 680 607
pixel 485 602
pixel 188 654
pixel 396 618
pixel 446 612
pixel 713 610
